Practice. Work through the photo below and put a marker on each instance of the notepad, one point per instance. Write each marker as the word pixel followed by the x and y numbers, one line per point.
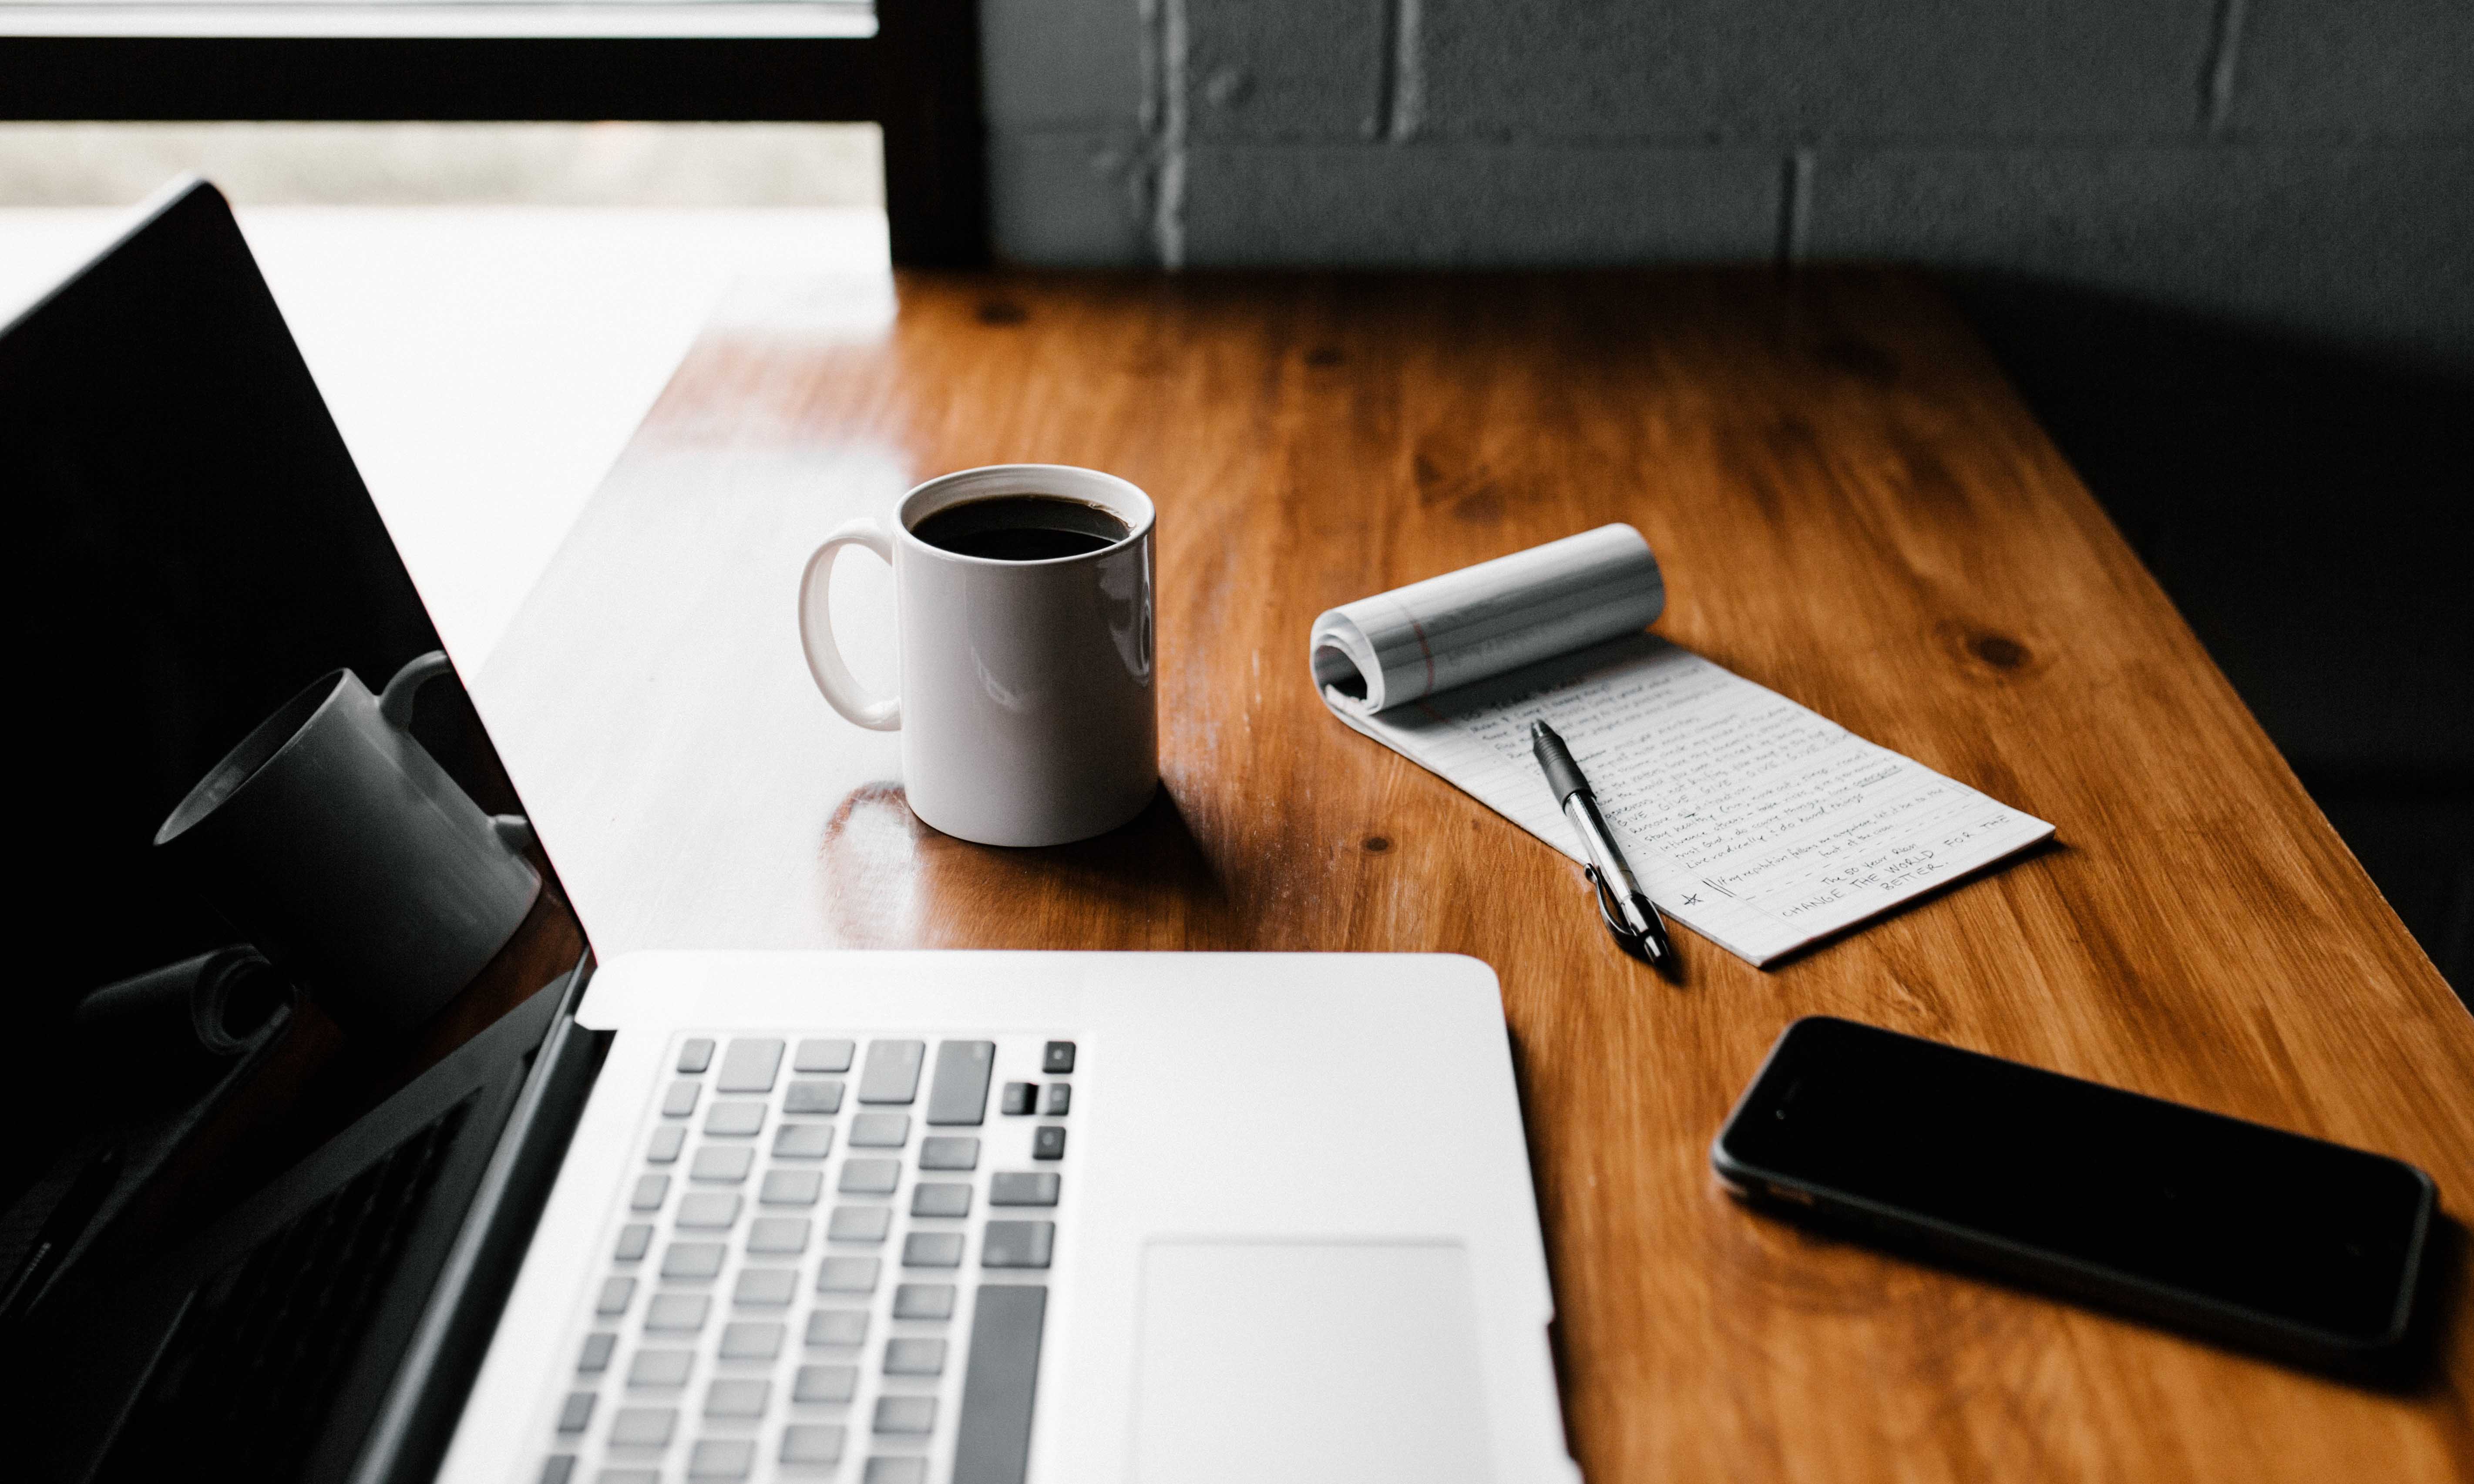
pixel 1757 823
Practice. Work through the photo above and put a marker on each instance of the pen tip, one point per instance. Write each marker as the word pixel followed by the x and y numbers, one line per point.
pixel 1538 729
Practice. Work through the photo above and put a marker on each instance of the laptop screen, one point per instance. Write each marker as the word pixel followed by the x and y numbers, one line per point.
pixel 198 561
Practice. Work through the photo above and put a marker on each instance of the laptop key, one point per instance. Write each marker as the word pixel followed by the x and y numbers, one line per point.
pixel 932 1250
pixel 948 1151
pixel 892 1074
pixel 791 1187
pixel 676 1313
pixel 880 1131
pixel 617 1294
pixel 777 1234
pixel 838 1326
pixel 664 1146
pixel 766 1288
pixel 628 1476
pixel 923 1301
pixel 959 1093
pixel 1048 1142
pixel 558 1468
pixel 651 1190
pixel 914 1356
pixel 661 1368
pixel 733 1119
pixel 691 1260
pixel 576 1412
pixel 751 1339
pixel 736 1397
pixel 722 1458
pixel 906 1415
pixel 896 1470
pixel 812 1442
pixel 1011 1187
pixel 847 1275
pixel 721 1164
pixel 1058 1059
pixel 825 1383
pixel 992 1440
pixel 709 1209
pixel 643 1426
pixel 681 1100
pixel 1019 1098
pixel 635 1239
pixel 695 1053
pixel 860 1224
pixel 1017 1244
pixel 749 1065
pixel 813 1095
pixel 1057 1099
pixel 931 1197
pixel 870 1176
pixel 595 1358
pixel 822 1055
pixel 803 1141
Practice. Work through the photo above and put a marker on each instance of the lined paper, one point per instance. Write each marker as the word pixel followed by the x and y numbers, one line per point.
pixel 1753 820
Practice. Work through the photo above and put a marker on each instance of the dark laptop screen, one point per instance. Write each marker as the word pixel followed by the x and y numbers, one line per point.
pixel 195 549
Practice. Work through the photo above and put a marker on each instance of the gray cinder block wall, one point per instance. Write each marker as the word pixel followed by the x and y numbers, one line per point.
pixel 2301 166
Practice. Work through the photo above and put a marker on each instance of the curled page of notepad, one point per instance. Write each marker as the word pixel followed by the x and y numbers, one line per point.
pixel 1486 620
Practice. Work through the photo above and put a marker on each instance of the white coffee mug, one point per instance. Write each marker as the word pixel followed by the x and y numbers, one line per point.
pixel 1025 702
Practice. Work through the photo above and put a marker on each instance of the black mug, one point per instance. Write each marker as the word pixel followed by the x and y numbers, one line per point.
pixel 337 845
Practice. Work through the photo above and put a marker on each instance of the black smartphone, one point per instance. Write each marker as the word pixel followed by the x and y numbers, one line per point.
pixel 2306 1249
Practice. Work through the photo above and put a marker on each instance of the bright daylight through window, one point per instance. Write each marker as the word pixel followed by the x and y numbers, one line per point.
pixel 792 18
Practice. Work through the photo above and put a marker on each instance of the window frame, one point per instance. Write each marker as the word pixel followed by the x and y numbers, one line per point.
pixel 917 79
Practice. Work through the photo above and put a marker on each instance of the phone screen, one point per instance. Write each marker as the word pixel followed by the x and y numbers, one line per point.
pixel 2306 1231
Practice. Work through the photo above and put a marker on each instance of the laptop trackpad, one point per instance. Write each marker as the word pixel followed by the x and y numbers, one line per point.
pixel 1308 1362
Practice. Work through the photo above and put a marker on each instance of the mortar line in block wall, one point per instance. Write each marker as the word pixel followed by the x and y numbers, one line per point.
pixel 1168 209
pixel 1795 205
pixel 1401 107
pixel 1148 16
pixel 2217 77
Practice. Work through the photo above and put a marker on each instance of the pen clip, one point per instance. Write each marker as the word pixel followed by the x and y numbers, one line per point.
pixel 1627 937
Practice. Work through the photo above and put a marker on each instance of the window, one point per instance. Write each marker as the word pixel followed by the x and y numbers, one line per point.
pixel 809 18
pixel 913 70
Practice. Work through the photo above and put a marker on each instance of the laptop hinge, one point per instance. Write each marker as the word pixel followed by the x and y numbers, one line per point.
pixel 427 1397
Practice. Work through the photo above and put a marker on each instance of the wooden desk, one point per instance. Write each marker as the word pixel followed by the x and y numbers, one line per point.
pixel 1851 507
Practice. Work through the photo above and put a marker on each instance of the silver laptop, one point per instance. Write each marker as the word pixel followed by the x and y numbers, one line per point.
pixel 899 1218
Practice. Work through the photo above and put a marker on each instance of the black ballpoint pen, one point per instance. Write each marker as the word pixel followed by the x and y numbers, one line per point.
pixel 1629 913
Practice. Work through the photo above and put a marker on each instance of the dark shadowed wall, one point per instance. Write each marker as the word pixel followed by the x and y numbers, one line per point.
pixel 2305 166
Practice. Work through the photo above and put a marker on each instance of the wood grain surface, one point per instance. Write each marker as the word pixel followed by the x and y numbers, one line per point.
pixel 1851 507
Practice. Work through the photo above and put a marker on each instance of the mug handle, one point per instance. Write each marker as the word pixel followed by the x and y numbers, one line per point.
pixel 395 702
pixel 395 708
pixel 878 714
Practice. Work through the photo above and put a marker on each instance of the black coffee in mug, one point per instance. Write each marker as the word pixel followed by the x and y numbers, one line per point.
pixel 1020 529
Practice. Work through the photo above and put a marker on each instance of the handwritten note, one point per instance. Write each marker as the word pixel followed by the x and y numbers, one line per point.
pixel 1757 823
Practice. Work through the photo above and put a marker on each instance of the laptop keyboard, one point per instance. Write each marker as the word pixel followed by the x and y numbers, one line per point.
pixel 830 1262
